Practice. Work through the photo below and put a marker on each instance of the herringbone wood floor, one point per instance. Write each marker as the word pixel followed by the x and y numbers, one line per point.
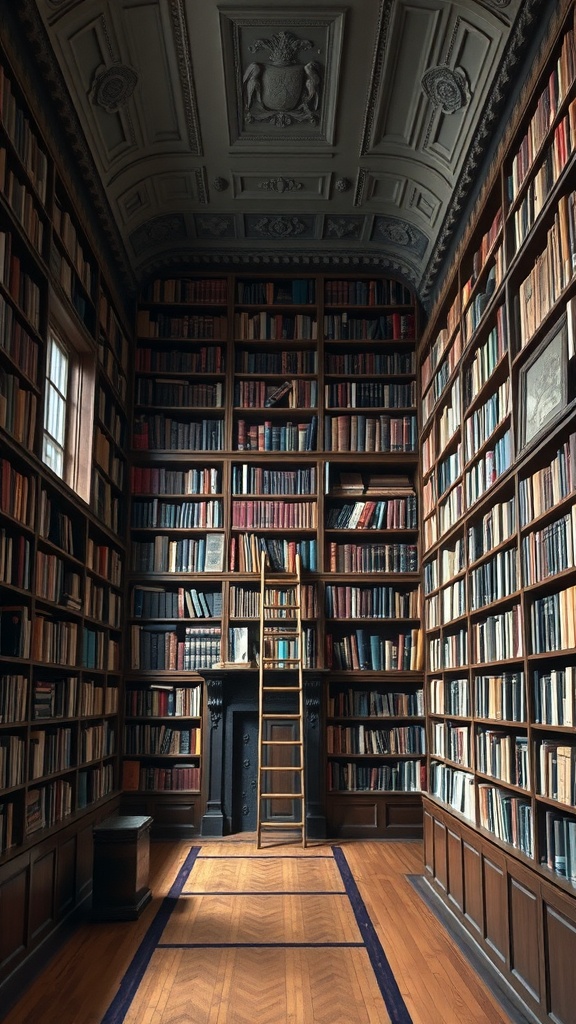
pixel 282 984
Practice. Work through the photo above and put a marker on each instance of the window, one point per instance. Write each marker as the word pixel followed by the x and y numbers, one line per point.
pixel 69 413
pixel 55 408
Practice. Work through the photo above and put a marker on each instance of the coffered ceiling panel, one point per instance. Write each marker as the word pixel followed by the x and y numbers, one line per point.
pixel 325 133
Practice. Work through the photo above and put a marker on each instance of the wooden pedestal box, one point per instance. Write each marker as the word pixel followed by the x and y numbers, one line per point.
pixel 121 867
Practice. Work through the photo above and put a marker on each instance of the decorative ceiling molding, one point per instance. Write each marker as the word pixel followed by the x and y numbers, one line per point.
pixel 186 75
pixel 517 44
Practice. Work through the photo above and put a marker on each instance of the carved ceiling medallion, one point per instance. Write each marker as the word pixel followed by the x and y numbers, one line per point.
pixel 446 88
pixel 112 87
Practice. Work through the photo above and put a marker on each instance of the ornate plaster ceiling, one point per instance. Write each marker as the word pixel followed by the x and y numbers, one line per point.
pixel 218 132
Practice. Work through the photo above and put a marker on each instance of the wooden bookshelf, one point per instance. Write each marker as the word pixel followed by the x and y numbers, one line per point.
pixel 497 441
pixel 61 557
pixel 282 387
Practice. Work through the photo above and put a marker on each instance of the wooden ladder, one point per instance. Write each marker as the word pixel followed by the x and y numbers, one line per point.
pixel 281 774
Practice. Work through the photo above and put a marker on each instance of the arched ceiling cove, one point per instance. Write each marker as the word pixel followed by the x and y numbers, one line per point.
pixel 323 133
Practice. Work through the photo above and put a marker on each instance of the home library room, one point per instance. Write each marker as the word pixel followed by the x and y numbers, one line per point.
pixel 276 416
pixel 62 536
pixel 498 503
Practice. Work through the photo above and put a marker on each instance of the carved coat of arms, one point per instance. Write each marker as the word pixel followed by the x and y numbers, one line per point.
pixel 282 90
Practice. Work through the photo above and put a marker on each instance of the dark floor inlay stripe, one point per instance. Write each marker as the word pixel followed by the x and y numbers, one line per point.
pixel 386 981
pixel 120 1005
pixel 261 945
pixel 273 892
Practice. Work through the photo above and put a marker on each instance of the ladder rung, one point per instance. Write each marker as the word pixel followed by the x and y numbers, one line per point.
pixel 281 718
pixel 282 689
pixel 285 607
pixel 282 661
pixel 284 796
pixel 286 768
pixel 288 826
pixel 282 743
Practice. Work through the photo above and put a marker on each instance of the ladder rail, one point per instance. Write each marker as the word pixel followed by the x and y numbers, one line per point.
pixel 292 622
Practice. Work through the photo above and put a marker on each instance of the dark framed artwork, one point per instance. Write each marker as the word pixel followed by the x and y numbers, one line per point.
pixel 543 384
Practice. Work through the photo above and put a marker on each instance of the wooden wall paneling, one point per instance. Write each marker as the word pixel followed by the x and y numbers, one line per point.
pixel 560 956
pixel 13 908
pixel 440 857
pixel 85 860
pixel 495 907
pixel 525 931
pixel 42 891
pixel 455 869
pixel 473 885
pixel 403 817
pixel 65 894
pixel 428 843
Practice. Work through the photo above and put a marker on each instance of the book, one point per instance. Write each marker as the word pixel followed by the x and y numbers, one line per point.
pixel 278 394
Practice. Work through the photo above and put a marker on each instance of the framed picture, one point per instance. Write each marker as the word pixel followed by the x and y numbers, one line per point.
pixel 543 384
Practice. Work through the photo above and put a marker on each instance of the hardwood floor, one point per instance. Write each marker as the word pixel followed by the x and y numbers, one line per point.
pixel 435 979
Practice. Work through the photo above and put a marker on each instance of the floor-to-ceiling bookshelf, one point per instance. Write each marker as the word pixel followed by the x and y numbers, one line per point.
pixel 278 414
pixel 62 556
pixel 498 484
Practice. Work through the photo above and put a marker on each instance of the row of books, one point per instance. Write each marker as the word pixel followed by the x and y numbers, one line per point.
pixel 161 739
pixel 211 290
pixel 378 602
pixel 495 578
pixel 18 407
pixel 203 360
pixel 276 437
pixel 191 554
pixel 280 514
pixel 552 271
pixel 556 760
pixel 494 527
pixel 483 422
pixel 552 163
pixel 15 565
pixel 443 374
pixel 283 362
pixel 13 698
pixel 508 817
pixel 249 479
pixel 376 652
pixel 405 777
pixel 274 326
pixel 487 356
pixel 549 485
pixel 158 701
pixel 157 514
pixel 370 364
pixel 160 648
pixel 190 326
pixel 259 394
pixel 498 637
pixel 489 467
pixel 451 741
pixel 102 603
pixel 448 651
pixel 504 756
pixel 17 342
pixel 22 288
pixel 22 201
pixel 372 557
pixel 150 778
pixel 49 751
pixel 247 550
pixel 184 602
pixel 244 602
pixel 23 136
pixel 160 432
pixel 560 851
pixel 354 703
pixel 168 480
pixel 360 433
pixel 104 560
pixel 381 292
pixel 17 494
pixel 387 327
pixel 378 514
pixel 48 805
pixel 359 739
pixel 549 101
pixel 360 395
pixel 549 550
pixel 476 309
pixel 501 697
pixel 454 787
pixel 67 233
pixel 553 622
pixel 297 291
pixel 179 394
